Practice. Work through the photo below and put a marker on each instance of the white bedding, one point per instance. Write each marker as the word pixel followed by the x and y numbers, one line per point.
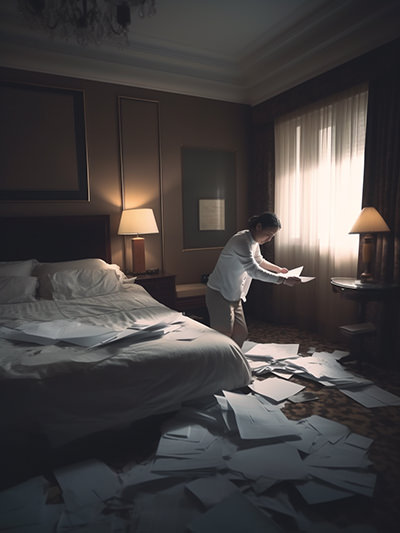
pixel 68 392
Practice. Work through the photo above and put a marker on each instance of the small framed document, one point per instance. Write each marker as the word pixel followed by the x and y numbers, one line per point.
pixel 212 214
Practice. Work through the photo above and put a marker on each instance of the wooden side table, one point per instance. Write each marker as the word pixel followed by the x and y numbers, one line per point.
pixel 363 293
pixel 160 286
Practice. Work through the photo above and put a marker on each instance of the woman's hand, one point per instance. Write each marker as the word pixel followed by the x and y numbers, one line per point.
pixel 283 270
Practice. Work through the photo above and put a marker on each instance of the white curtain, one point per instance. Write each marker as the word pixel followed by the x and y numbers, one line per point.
pixel 319 164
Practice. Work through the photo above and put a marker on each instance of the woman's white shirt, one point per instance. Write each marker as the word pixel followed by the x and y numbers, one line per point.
pixel 239 262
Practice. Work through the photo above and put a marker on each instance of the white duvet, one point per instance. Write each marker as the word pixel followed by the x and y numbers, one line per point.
pixel 68 392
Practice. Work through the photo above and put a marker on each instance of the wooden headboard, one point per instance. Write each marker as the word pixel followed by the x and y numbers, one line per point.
pixel 55 238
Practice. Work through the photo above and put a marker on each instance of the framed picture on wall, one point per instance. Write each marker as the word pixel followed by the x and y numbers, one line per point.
pixel 208 197
pixel 42 143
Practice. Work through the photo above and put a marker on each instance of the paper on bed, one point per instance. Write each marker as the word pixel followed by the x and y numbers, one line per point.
pixel 53 331
pixel 62 329
pixel 15 335
pixel 76 332
pixel 138 334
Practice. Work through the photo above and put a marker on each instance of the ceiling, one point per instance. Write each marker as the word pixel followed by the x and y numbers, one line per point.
pixel 243 51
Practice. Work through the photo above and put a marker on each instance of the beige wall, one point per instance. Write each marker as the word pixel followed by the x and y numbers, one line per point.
pixel 182 121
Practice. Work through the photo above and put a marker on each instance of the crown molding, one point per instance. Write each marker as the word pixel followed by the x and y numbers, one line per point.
pixel 303 46
pixel 187 81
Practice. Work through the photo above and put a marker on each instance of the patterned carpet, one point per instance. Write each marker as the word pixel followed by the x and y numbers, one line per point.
pixel 380 424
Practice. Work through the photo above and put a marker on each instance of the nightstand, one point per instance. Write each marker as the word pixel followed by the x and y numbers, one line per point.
pixel 363 293
pixel 160 286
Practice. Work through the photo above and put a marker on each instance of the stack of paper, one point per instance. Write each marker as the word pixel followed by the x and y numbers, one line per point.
pixel 324 445
pixel 86 335
pixel 186 449
pixel 326 370
pixel 336 460
pixel 204 480
pixel 284 361
pixel 255 421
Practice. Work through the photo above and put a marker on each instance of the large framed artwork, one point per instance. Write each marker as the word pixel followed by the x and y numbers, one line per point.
pixel 42 143
pixel 208 197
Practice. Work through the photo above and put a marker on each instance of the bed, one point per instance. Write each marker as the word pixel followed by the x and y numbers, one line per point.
pixel 140 359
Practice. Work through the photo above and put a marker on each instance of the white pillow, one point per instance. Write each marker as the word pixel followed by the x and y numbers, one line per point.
pixel 17 268
pixel 84 283
pixel 17 289
pixel 42 270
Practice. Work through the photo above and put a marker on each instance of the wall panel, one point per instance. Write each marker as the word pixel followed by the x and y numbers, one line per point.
pixel 140 168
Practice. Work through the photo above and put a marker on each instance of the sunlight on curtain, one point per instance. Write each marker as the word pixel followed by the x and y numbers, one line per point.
pixel 319 165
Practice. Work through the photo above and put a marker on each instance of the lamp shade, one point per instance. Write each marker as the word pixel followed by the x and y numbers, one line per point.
pixel 369 221
pixel 137 221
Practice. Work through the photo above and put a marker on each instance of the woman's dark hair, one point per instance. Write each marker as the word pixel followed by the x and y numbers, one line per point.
pixel 267 220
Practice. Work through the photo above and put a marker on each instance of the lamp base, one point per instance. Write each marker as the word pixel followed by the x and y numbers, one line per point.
pixel 367 252
pixel 138 257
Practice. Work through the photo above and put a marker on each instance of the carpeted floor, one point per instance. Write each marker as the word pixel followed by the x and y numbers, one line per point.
pixel 380 424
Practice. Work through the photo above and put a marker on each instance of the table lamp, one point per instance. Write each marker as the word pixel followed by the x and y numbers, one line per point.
pixel 368 224
pixel 135 222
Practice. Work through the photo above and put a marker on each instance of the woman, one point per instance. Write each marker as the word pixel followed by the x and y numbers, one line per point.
pixel 239 262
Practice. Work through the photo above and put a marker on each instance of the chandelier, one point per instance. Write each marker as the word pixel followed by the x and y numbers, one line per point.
pixel 88 21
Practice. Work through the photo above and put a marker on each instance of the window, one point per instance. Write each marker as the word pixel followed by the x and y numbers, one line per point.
pixel 319 165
